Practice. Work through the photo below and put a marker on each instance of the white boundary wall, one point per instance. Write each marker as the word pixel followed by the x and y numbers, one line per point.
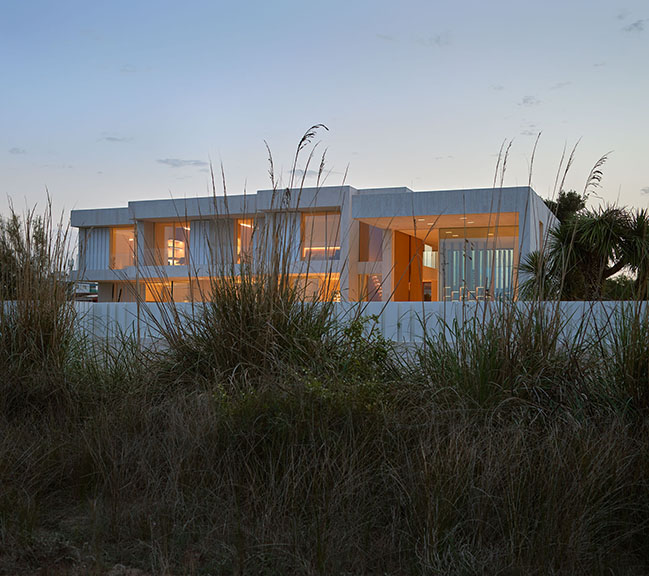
pixel 404 322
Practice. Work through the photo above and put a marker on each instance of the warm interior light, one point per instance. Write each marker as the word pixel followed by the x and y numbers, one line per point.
pixel 322 247
pixel 245 224
pixel 175 250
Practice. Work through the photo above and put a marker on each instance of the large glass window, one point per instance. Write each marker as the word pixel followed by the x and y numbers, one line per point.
pixel 370 287
pixel 244 229
pixel 122 247
pixel 317 286
pixel 370 243
pixel 429 257
pixel 478 263
pixel 172 243
pixel 320 236
pixel 169 291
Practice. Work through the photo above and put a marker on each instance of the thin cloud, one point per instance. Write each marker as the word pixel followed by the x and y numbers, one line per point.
pixel 16 150
pixel 438 40
pixel 529 129
pixel 59 166
pixel 308 173
pixel 497 87
pixel 300 173
pixel 529 101
pixel 645 190
pixel 116 139
pixel 180 163
pixel 442 157
pixel 560 85
pixel 128 69
pixel 635 27
pixel 386 37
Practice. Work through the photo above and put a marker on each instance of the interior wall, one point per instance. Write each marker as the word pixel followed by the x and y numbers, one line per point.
pixel 408 268
pixel 416 269
pixel 400 255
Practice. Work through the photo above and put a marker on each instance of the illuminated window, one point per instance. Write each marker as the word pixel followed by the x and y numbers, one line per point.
pixel 122 247
pixel 478 263
pixel 429 257
pixel 320 236
pixel 244 229
pixel 314 287
pixel 370 287
pixel 158 292
pixel 172 243
pixel 169 291
pixel 370 243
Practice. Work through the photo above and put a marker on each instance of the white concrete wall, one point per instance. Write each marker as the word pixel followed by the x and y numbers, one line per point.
pixel 404 322
pixel 212 223
pixel 201 240
pixel 224 244
pixel 145 243
pixel 95 251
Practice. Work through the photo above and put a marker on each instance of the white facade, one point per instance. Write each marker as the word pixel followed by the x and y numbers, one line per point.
pixel 376 244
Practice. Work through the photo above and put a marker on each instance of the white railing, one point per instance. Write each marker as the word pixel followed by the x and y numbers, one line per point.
pixel 405 322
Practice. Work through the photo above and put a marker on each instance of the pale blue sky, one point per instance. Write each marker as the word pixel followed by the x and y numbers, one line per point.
pixel 115 101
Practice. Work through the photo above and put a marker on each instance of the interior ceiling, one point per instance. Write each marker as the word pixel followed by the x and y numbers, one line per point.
pixel 421 225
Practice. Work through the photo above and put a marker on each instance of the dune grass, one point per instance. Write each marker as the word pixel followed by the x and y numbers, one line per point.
pixel 418 474
pixel 270 437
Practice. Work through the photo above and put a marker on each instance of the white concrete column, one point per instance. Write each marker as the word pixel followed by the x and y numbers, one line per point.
pixel 348 245
pixel 145 242
pixel 350 271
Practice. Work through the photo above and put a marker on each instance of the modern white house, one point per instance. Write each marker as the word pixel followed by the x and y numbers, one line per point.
pixel 379 244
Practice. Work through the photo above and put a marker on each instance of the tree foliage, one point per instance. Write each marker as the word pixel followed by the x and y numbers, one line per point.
pixel 567 204
pixel 20 249
pixel 586 250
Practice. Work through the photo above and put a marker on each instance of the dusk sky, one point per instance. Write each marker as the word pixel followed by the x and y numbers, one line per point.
pixel 106 102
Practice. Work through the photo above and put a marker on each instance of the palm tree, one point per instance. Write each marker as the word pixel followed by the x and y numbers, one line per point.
pixel 635 248
pixel 539 282
pixel 584 251
pixel 596 249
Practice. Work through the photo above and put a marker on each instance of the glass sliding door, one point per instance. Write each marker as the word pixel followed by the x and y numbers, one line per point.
pixel 478 263
pixel 172 243
pixel 122 247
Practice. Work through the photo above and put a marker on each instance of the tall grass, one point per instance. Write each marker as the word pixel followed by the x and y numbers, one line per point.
pixel 254 321
pixel 268 436
pixel 625 354
pixel 36 316
pixel 257 325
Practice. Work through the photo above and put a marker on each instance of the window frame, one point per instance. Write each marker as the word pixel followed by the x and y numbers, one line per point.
pixel 307 251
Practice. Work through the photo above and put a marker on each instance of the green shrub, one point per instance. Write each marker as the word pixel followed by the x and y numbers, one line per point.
pixel 36 315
